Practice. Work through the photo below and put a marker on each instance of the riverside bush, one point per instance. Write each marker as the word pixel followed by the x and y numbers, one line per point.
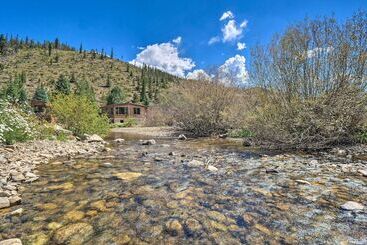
pixel 313 79
pixel 15 124
pixel 79 115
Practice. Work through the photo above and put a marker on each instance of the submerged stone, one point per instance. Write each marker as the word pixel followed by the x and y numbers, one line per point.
pixel 352 206
pixel 128 176
pixel 73 234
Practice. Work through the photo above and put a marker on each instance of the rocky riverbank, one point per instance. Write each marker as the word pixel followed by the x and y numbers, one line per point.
pixel 18 163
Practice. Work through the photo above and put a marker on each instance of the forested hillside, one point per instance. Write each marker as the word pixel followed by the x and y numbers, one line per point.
pixel 47 62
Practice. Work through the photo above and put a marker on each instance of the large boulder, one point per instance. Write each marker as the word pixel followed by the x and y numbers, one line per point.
pixel 94 138
pixel 4 202
pixel 352 206
pixel 13 241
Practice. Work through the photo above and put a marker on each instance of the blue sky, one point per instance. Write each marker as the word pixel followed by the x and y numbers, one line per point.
pixel 129 25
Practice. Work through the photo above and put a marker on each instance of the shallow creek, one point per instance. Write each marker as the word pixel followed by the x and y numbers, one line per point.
pixel 139 194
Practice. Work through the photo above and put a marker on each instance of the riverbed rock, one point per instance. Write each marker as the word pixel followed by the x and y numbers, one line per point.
pixel 128 176
pixel 174 227
pixel 13 241
pixel 107 165
pixel 192 226
pixel 119 141
pixel 3 159
pixel 304 182
pixel 195 163
pixel 4 202
pixel 74 215
pixel 15 200
pixel 18 211
pixel 211 168
pixel 148 142
pixel 73 234
pixel 16 176
pixel 182 137
pixel 363 172
pixel 94 138
pixel 352 206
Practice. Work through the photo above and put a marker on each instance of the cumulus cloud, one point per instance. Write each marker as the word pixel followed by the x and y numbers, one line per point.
pixel 198 74
pixel 166 57
pixel 241 46
pixel 227 15
pixel 231 31
pixel 233 71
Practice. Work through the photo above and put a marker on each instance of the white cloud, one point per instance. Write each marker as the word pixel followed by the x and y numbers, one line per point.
pixel 166 57
pixel 198 74
pixel 177 40
pixel 227 15
pixel 233 32
pixel 214 40
pixel 233 71
pixel 316 51
pixel 241 46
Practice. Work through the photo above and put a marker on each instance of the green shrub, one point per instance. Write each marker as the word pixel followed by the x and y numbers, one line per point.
pixel 79 115
pixel 129 122
pixel 240 133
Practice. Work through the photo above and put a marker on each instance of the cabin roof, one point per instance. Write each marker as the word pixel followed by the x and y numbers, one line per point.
pixel 124 104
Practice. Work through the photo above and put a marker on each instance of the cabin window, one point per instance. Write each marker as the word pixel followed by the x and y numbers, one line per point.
pixel 122 110
pixel 136 111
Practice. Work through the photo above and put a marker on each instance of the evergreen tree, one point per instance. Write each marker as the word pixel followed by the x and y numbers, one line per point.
pixel 49 49
pixel 15 91
pixel 41 94
pixel 84 88
pixel 81 48
pixel 57 43
pixel 62 85
pixel 116 96
pixel 111 55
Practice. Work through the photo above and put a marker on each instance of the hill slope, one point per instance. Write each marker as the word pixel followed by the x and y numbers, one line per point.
pixel 44 66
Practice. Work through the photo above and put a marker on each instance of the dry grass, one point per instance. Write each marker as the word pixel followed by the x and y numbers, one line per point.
pixel 41 68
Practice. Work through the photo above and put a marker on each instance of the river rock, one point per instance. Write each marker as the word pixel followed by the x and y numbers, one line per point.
pixel 212 168
pixel 107 165
pixel 182 137
pixel 195 163
pixel 16 176
pixel 192 226
pixel 148 142
pixel 74 215
pixel 3 159
pixel 76 233
pixel 94 138
pixel 13 241
pixel 119 141
pixel 352 206
pixel 174 227
pixel 128 176
pixel 18 211
pixel 363 172
pixel 4 202
pixel 15 200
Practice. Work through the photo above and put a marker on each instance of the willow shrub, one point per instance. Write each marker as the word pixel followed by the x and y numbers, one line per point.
pixel 79 115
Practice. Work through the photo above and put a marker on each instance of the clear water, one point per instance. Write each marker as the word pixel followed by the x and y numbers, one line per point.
pixel 171 203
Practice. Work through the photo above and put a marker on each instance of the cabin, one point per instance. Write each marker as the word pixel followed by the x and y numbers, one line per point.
pixel 118 113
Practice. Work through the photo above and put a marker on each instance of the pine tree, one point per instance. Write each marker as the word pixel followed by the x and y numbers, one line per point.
pixel 62 85
pixel 57 43
pixel 15 91
pixel 111 55
pixel 84 88
pixel 116 96
pixel 81 48
pixel 49 49
pixel 41 94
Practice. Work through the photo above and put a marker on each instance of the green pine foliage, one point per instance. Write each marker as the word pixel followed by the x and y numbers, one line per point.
pixel 15 91
pixel 41 94
pixel 84 88
pixel 62 85
pixel 116 96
